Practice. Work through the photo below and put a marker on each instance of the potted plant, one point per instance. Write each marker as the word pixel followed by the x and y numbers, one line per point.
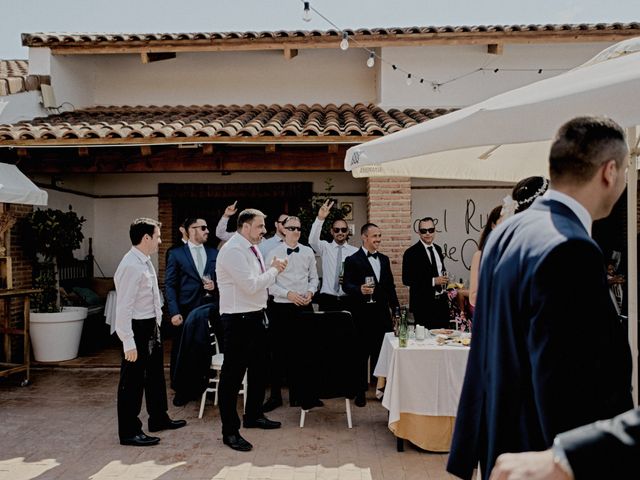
pixel 52 236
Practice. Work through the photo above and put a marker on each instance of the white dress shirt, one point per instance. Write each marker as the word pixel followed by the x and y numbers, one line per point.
pixel 137 294
pixel 221 229
pixel 241 283
pixel 300 276
pixel 329 253
pixel 269 244
pixel 375 263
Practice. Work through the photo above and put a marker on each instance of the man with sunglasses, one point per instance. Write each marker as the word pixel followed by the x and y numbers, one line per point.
pixel 333 254
pixel 266 245
pixel 187 267
pixel 292 294
pixel 422 272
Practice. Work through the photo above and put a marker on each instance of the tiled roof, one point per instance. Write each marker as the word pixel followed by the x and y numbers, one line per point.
pixel 85 39
pixel 15 78
pixel 219 123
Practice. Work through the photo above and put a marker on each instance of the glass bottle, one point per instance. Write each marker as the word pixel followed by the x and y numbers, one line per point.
pixel 403 330
pixel 396 321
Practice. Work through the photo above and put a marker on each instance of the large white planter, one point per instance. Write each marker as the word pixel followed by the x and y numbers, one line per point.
pixel 56 336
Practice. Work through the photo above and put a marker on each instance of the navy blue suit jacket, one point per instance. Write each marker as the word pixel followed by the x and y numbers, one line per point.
pixel 548 352
pixel 183 285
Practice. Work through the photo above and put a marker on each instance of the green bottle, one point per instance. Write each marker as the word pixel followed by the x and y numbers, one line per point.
pixel 403 330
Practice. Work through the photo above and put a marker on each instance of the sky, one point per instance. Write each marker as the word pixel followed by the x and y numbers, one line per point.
pixel 247 15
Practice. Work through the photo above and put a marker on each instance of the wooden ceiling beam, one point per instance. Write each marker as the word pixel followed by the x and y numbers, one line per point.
pixel 495 49
pixel 149 57
pixel 290 53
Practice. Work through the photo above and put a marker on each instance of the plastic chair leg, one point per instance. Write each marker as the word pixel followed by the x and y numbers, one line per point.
pixel 348 406
pixel 204 399
pixel 303 413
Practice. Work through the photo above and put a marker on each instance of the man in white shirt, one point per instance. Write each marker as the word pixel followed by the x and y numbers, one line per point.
pixel 333 254
pixel 292 294
pixel 270 243
pixel 243 280
pixel 221 228
pixel 138 316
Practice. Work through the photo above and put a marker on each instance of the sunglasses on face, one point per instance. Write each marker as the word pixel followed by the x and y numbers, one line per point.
pixel 427 230
pixel 340 230
pixel 294 229
pixel 204 228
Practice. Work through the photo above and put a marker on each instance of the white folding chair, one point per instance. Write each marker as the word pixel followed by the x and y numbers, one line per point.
pixel 216 364
pixel 303 414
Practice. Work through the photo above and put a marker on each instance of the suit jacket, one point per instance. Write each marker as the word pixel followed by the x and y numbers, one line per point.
pixel 415 275
pixel 183 284
pixel 356 268
pixel 548 352
pixel 608 449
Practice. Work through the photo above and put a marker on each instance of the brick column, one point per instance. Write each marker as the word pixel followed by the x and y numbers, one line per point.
pixel 165 216
pixel 389 207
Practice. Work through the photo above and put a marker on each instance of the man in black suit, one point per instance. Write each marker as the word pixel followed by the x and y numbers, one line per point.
pixel 372 319
pixel 184 284
pixel 422 272
pixel 605 449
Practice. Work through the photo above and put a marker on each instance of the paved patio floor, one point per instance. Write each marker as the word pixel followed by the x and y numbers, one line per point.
pixel 63 426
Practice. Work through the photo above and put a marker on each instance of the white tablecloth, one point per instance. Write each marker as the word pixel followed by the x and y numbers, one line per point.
pixel 110 310
pixel 423 378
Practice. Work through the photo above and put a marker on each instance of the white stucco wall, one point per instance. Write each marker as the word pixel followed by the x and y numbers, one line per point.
pixel 21 106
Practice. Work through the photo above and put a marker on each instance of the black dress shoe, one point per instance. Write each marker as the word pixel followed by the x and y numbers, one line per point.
pixel 262 422
pixel 309 404
pixel 179 400
pixel 166 424
pixel 271 404
pixel 360 401
pixel 236 442
pixel 140 440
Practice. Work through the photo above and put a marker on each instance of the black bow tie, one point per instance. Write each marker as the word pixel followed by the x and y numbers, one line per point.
pixel 293 250
pixel 374 255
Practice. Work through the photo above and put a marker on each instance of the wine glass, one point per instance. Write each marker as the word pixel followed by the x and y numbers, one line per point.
pixel 206 278
pixel 371 283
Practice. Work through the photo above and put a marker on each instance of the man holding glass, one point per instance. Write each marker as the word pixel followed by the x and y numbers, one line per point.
pixel 424 273
pixel 189 282
pixel 369 283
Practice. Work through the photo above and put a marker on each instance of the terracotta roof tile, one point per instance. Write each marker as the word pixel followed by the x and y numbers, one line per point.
pixel 216 122
pixel 52 39
pixel 15 78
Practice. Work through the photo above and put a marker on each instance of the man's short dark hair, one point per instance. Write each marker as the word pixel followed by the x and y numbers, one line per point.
pixel 339 219
pixel 188 222
pixel 584 144
pixel 427 219
pixel 141 227
pixel 365 228
pixel 247 216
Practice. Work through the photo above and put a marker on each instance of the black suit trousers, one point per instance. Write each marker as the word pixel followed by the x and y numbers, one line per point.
pixel 145 375
pixel 245 340
pixel 372 321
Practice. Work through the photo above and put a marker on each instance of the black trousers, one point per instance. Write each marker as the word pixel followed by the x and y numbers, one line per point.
pixel 145 375
pixel 332 303
pixel 244 337
pixel 372 321
pixel 283 335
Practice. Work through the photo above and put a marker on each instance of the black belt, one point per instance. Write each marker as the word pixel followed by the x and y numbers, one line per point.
pixel 336 297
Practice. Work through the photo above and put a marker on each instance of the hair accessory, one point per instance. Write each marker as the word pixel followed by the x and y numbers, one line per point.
pixel 509 206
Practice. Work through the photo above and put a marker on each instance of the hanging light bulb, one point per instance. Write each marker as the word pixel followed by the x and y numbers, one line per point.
pixel 409 80
pixel 306 15
pixel 371 61
pixel 344 44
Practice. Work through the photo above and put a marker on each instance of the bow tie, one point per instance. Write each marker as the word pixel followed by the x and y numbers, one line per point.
pixel 374 255
pixel 293 250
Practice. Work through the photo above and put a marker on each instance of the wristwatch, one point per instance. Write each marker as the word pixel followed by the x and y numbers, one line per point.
pixel 560 458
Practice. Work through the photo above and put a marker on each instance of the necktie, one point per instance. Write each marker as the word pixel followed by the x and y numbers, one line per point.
pixel 434 265
pixel 374 255
pixel 255 252
pixel 293 250
pixel 336 283
pixel 157 301
pixel 200 258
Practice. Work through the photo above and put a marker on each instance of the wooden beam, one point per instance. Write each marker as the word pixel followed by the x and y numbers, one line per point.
pixel 495 49
pixel 22 152
pixel 145 150
pixel 332 148
pixel 149 57
pixel 207 149
pixel 290 53
pixel 270 148
pixel 83 151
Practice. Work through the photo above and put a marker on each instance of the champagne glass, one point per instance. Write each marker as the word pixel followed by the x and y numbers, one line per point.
pixel 206 278
pixel 371 283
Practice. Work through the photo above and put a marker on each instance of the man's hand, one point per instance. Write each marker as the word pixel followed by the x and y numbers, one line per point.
pixel 443 281
pixel 528 465
pixel 366 290
pixel 230 210
pixel 297 299
pixel 209 285
pixel 131 355
pixel 280 265
pixel 324 210
pixel 176 320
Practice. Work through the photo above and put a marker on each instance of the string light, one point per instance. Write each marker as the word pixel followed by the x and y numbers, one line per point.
pixel 371 61
pixel 344 44
pixel 306 14
pixel 373 56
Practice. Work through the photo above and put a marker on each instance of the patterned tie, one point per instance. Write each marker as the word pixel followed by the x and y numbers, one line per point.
pixel 200 259
pixel 336 283
pixel 157 301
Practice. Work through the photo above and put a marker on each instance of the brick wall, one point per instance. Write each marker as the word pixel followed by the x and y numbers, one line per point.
pixel 165 216
pixel 389 207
